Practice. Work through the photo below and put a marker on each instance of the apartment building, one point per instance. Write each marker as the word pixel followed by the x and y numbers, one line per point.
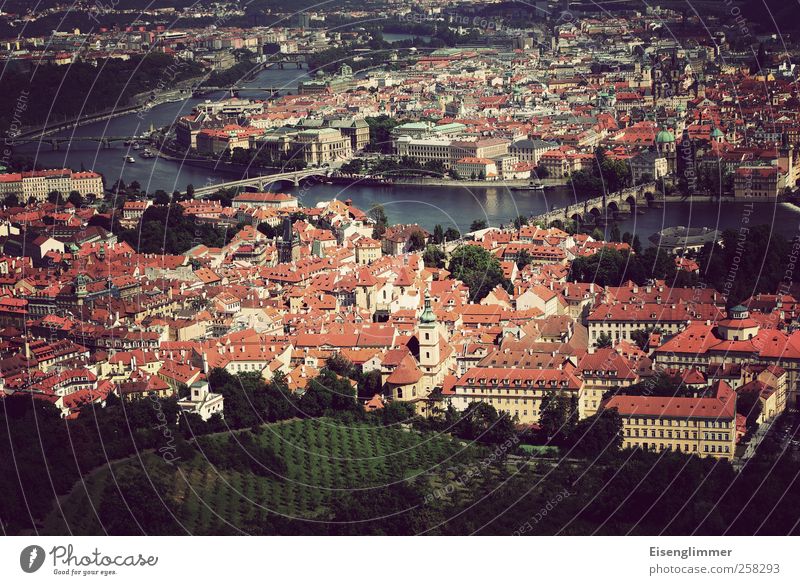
pixel 516 392
pixel 39 184
pixel 703 426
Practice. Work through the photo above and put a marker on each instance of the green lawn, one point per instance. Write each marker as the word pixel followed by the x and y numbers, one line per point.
pixel 324 460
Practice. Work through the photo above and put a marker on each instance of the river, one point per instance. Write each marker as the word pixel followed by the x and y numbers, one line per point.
pixel 426 205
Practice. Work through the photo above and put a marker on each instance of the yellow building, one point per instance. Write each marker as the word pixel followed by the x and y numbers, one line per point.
pixel 515 391
pixel 697 426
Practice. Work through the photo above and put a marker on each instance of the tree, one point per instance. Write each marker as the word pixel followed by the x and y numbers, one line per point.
pixel 433 257
pixel 161 197
pixel 451 234
pixel 615 235
pixel 416 241
pixel 603 340
pixel 55 198
pixel 438 234
pixel 641 337
pixel 480 421
pixel 75 198
pixel 556 417
pixel 519 221
pixel 598 434
pixel 137 502
pixel 339 364
pixel 328 393
pixel 478 269
pixel 477 225
pixel 11 200
pixel 378 215
pixel 523 259
pixel 636 245
pixel 190 191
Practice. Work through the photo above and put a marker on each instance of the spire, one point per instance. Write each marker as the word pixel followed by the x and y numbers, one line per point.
pixel 428 316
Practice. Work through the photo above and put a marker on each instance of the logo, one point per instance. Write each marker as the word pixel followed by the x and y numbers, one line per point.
pixel 31 558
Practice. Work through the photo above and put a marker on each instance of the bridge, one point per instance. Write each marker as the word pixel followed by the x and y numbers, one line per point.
pixel 293 177
pixel 281 63
pixel 56 142
pixel 207 89
pixel 598 209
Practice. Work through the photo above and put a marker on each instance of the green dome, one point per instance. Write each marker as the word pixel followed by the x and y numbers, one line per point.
pixel 716 133
pixel 665 136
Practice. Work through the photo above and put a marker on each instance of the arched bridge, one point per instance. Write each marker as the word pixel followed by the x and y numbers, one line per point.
pixel 600 208
pixel 259 183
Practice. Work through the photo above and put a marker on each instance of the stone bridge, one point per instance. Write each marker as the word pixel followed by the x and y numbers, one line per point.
pixel 293 177
pixel 598 209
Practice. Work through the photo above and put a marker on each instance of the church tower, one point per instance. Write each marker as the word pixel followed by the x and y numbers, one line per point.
pixel 288 244
pixel 429 355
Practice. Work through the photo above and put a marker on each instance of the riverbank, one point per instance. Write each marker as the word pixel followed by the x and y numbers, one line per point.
pixel 142 101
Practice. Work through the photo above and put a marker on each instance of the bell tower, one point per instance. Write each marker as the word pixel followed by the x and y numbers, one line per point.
pixel 429 354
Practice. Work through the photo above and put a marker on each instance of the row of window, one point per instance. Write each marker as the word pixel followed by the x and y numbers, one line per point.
pixel 678 447
pixel 666 422
pixel 677 435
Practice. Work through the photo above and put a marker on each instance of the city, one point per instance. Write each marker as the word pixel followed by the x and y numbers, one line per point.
pixel 447 268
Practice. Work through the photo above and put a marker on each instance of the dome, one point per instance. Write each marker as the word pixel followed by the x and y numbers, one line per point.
pixel 716 133
pixel 665 136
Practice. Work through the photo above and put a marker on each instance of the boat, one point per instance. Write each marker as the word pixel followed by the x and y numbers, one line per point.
pixel 529 187
pixel 130 159
pixel 135 146
pixel 146 154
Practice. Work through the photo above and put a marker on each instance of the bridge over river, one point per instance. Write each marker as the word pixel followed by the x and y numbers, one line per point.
pixel 598 209
pixel 293 177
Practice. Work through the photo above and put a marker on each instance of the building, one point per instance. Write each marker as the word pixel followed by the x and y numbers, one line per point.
pixel 39 184
pixel 289 243
pixel 758 182
pixel 314 146
pixel 736 341
pixel 703 426
pixel 648 166
pixel 270 200
pixel 530 150
pixel 202 402
pixel 514 391
pixel 225 139
pixel 476 168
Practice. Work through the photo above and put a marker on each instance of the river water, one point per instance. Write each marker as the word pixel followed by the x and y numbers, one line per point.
pixel 425 205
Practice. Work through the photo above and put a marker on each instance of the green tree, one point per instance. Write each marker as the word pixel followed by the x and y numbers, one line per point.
pixel 603 340
pixel 75 198
pixel 641 337
pixel 478 269
pixel 378 215
pixel 477 225
pixel 451 234
pixel 416 241
pixel 433 257
pixel 523 259
pixel 556 417
pixel 599 434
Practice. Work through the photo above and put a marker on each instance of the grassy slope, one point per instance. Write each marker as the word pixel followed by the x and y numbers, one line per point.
pixel 324 460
